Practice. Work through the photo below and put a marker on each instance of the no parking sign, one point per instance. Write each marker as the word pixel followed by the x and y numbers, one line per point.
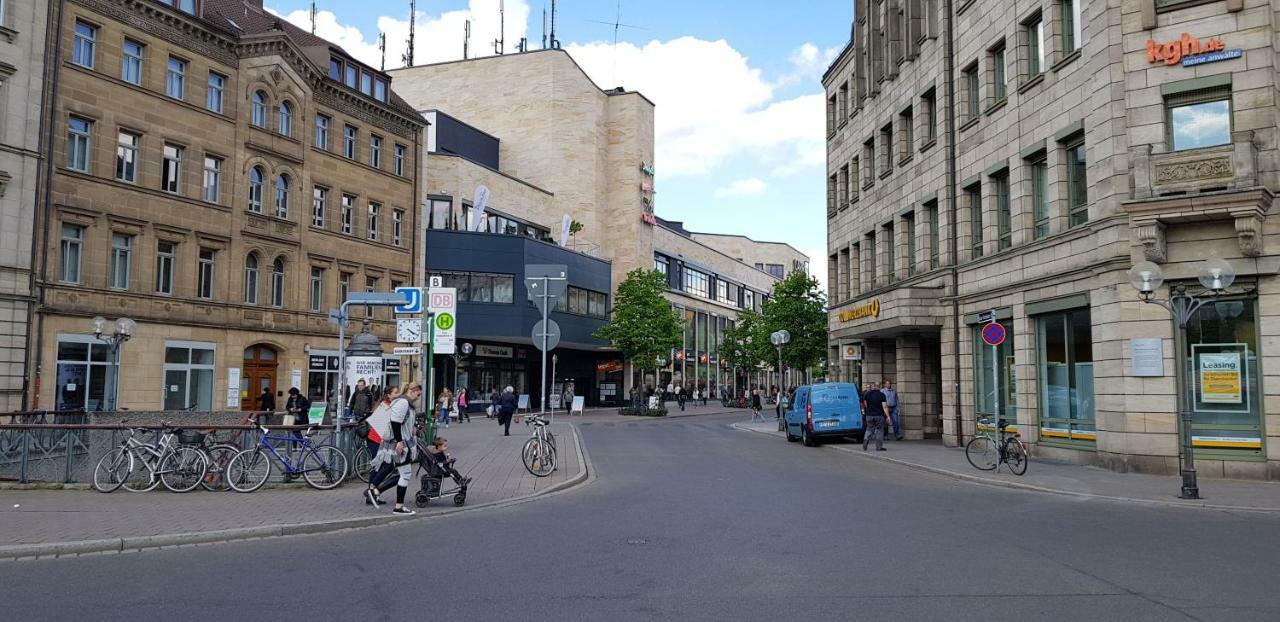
pixel 993 334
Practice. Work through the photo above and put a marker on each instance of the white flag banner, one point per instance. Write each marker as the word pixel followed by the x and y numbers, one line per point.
pixel 477 208
pixel 565 225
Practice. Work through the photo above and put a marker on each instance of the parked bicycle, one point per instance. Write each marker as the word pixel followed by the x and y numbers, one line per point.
pixel 218 453
pixel 322 466
pixel 986 453
pixel 539 452
pixel 137 466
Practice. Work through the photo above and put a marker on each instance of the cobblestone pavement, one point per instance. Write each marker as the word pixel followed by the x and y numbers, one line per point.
pixel 483 453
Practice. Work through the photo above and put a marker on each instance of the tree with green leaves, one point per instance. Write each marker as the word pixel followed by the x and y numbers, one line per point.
pixel 799 306
pixel 642 324
pixel 742 346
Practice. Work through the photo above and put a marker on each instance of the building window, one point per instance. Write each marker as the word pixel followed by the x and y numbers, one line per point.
pixel 204 274
pixel 375 151
pixel 349 142
pixel 1039 197
pixel 973 196
pixel 872 260
pixel 1035 45
pixel 993 394
pixel 188 6
pixel 891 253
pixel 277 282
pixel 1071 36
pixel 188 375
pixel 256 178
pixel 322 132
pixel 1077 184
pixel 931 212
pixel 251 279
pixel 171 169
pixel 776 270
pixel 86 44
pixel 397 227
pixel 929 101
pixel 399 164
pixel 832 113
pixel 282 196
pixel 1004 211
pixel 131 62
pixel 869 157
pixel 348 213
pixel 375 211
pixel 352 75
pixel 213 99
pixel 1199 119
pixel 319 203
pixel 335 69
pixel 259 109
pixel 344 286
pixel 284 122
pixel 748 299
pixel 662 264
pixel 999 81
pixel 696 282
pixel 121 260
pixel 366 83
pixel 910 221
pixel 907 123
pixel 176 81
pixel 972 94
pixel 380 90
pixel 212 179
pixel 441 215
pixel 165 256
pixel 886 146
pixel 127 157
pixel 78 133
pixel 1065 358
pixel 72 249
pixel 317 289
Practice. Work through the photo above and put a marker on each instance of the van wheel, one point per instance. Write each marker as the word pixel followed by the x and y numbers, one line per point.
pixel 807 437
pixel 790 437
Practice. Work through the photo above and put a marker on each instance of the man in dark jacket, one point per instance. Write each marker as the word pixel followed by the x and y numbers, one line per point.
pixel 266 401
pixel 876 409
pixel 300 407
pixel 361 402
pixel 507 405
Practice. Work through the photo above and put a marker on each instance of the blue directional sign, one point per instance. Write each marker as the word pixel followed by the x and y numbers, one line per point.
pixel 413 300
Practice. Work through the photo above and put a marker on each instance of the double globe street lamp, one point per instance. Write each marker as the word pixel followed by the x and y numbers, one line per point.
pixel 121 332
pixel 1215 276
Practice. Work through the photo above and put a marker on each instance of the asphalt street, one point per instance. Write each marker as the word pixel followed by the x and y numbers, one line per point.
pixel 688 519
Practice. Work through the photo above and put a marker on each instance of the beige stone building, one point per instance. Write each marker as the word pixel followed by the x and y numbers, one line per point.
pixel 22 87
pixel 777 258
pixel 1020 158
pixel 550 144
pixel 224 179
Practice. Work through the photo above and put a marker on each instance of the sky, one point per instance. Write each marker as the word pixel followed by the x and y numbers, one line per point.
pixel 737 87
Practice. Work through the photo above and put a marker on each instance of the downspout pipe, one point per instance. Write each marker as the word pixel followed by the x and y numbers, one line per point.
pixel 949 55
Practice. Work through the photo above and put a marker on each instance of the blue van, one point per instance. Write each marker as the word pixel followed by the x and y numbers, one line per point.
pixel 831 409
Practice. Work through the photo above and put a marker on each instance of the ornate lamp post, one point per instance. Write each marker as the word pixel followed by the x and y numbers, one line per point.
pixel 1215 276
pixel 121 333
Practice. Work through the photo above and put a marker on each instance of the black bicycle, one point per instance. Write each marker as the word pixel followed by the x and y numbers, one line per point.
pixel 986 454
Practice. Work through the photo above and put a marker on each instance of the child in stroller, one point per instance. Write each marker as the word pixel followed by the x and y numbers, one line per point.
pixel 437 464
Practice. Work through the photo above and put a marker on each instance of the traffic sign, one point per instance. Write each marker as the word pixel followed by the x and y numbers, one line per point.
pixel 337 318
pixel 993 334
pixel 442 303
pixel 557 281
pixel 413 296
pixel 407 351
pixel 376 298
pixel 552 330
pixel 987 317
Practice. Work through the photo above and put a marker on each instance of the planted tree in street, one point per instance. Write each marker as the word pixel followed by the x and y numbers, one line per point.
pixel 797 305
pixel 746 344
pixel 642 324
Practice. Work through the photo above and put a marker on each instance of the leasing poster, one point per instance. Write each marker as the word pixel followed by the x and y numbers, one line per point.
pixel 1221 376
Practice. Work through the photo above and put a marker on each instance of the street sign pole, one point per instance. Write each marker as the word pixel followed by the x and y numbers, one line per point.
pixel 429 397
pixel 546 330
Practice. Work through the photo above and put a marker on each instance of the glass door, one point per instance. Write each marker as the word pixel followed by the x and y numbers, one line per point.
pixel 1065 361
pixel 1220 358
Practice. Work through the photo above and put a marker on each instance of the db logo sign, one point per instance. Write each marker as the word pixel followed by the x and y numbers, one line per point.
pixel 439 299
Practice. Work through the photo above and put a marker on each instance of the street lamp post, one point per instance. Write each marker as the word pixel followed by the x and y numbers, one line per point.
pixel 1215 276
pixel 121 333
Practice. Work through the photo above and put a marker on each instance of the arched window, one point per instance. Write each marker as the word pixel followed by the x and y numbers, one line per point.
pixel 277 283
pixel 285 123
pixel 251 279
pixel 259 109
pixel 282 196
pixel 255 189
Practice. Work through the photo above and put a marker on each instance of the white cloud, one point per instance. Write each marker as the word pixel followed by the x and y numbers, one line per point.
pixel 742 188
pixel 808 63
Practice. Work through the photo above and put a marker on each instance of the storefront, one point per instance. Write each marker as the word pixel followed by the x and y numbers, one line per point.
pixel 1219 351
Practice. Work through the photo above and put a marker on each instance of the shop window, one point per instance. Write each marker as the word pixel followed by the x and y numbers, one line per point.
pixel 1220 353
pixel 86 374
pixel 1198 119
pixel 188 375
pixel 1065 362
pixel 995 378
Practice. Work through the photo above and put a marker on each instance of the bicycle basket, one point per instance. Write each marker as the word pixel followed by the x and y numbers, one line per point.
pixel 190 437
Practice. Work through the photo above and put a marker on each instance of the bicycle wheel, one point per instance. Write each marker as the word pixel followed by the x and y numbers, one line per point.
pixel 324 467
pixel 248 470
pixel 981 452
pixel 1015 456
pixel 111 471
pixel 538 457
pixel 142 471
pixel 183 470
pixel 360 462
pixel 219 456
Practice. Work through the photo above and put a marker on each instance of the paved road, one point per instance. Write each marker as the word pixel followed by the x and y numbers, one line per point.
pixel 691 520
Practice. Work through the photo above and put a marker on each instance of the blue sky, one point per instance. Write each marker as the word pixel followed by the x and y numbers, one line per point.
pixel 736 84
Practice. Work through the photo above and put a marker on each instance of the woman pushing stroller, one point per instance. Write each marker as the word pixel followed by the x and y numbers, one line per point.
pixel 398 450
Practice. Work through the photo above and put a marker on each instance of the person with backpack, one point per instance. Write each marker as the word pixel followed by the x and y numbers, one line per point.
pixel 373 429
pixel 399 448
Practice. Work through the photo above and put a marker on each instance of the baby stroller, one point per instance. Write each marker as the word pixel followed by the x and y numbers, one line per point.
pixel 433 479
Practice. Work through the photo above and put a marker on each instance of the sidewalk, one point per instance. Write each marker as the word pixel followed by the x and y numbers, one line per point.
pixel 1064 479
pixel 64 522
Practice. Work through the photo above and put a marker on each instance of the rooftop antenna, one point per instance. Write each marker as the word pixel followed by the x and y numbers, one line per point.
pixel 313 18
pixel 523 45
pixel 617 24
pixel 555 43
pixel 382 47
pixel 413 16
pixel 544 26
pixel 466 39
pixel 499 44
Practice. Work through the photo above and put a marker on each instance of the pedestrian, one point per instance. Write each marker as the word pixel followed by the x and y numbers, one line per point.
pixel 380 430
pixel 299 407
pixel 784 401
pixel 891 400
pixel 492 410
pixel 756 406
pixel 680 398
pixel 705 392
pixel 463 410
pixel 401 449
pixel 876 410
pixel 361 402
pixel 266 401
pixel 443 402
pixel 635 396
pixel 506 407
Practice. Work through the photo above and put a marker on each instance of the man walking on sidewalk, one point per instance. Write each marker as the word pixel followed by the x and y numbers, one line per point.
pixel 876 410
pixel 891 400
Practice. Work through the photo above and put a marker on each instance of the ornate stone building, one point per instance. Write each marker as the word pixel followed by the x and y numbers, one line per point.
pixel 223 178
pixel 1018 158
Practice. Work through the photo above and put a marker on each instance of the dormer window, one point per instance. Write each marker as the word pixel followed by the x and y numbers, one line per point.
pixel 186 6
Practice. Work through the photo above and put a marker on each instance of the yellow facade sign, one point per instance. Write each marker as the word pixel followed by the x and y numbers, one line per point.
pixel 870 309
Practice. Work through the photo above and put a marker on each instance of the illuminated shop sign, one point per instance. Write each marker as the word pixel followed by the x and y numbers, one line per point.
pixel 870 309
pixel 1190 51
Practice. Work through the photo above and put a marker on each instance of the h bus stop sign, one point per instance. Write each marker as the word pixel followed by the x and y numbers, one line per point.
pixel 993 334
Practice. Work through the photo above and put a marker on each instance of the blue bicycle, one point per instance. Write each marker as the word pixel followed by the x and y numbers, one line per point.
pixel 323 466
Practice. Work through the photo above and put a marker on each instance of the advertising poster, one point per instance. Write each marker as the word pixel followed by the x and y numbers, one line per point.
pixel 1221 376
pixel 367 368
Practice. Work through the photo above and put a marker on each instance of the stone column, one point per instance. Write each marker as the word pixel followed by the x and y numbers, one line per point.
pixel 909 381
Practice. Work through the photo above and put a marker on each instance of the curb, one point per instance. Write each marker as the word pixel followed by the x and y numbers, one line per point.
pixel 974 479
pixel 586 474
